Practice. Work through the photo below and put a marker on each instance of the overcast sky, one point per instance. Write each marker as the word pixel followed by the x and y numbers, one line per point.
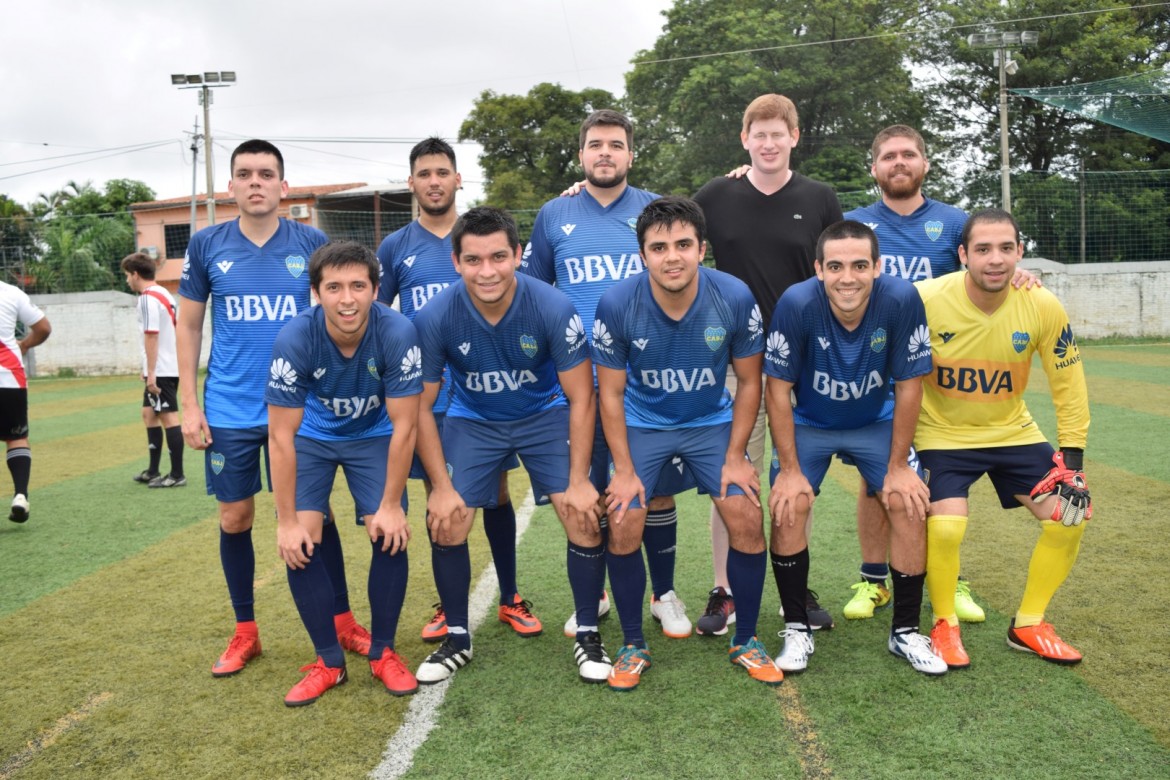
pixel 81 77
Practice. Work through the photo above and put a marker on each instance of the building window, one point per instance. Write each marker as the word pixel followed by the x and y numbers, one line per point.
pixel 177 237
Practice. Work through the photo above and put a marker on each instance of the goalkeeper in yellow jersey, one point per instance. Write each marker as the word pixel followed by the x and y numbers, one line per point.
pixel 973 422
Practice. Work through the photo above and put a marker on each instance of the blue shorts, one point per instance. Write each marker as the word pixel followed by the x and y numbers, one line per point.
pixel 477 450
pixel 866 448
pixel 416 467
pixel 681 455
pixel 232 463
pixel 362 460
pixel 674 480
pixel 1013 470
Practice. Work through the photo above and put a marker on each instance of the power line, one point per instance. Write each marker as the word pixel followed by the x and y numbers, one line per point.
pixel 124 150
pixel 133 147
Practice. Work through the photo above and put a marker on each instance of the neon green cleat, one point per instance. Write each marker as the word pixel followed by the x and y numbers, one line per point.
pixel 867 596
pixel 965 606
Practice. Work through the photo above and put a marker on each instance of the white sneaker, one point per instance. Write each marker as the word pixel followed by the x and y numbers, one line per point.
pixel 798 646
pixel 593 665
pixel 602 610
pixel 917 649
pixel 672 614
pixel 19 511
pixel 442 663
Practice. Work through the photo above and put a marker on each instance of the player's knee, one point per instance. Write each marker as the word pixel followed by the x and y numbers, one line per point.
pixel 660 502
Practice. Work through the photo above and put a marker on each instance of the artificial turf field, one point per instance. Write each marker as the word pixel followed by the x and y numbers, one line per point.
pixel 113 607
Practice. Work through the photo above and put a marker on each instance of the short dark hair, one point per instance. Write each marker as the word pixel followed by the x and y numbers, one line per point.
pixel 483 221
pixel 338 254
pixel 607 117
pixel 986 215
pixel 668 211
pixel 848 228
pixel 431 145
pixel 897 131
pixel 256 146
pixel 141 264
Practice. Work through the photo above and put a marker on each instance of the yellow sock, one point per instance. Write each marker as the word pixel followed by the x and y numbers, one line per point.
pixel 944 534
pixel 1052 559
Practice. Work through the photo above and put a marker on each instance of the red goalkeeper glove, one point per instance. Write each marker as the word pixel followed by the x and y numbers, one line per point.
pixel 1067 482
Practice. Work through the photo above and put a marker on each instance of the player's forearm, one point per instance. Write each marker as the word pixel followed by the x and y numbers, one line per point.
pixel 744 410
pixel 613 425
pixel 782 424
pixel 188 344
pixel 907 405
pixel 284 476
pixel 429 447
pixel 582 418
pixel 150 346
pixel 402 445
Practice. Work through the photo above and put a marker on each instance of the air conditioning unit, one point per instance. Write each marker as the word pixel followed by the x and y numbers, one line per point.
pixel 151 252
pixel 299 211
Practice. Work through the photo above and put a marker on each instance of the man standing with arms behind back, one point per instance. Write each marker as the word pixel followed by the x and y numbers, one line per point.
pixel 254 271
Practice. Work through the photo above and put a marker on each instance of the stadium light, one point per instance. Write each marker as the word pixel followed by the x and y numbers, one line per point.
pixel 205 82
pixel 1001 41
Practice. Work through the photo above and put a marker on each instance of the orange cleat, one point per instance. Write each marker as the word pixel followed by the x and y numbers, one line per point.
pixel 519 616
pixel 1042 640
pixel 436 629
pixel 240 650
pixel 627 668
pixel 948 645
pixel 753 657
pixel 319 679
pixel 391 670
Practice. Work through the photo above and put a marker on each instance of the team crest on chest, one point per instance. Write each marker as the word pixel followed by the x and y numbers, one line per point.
pixel 714 337
pixel 1020 341
pixel 217 462
pixel 295 265
pixel 528 346
pixel 933 229
pixel 633 223
pixel 877 342
pixel 372 367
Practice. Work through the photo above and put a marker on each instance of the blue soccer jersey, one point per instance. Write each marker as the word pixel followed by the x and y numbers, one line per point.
pixel 841 377
pixel 344 397
pixel 676 369
pixel 254 291
pixel 416 266
pixel 923 245
pixel 505 371
pixel 585 248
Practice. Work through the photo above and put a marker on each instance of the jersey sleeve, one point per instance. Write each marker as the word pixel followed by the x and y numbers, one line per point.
pixel 784 350
pixel 1061 358
pixel 610 347
pixel 912 335
pixel 538 261
pixel 194 284
pixel 402 357
pixel 430 337
pixel 388 282
pixel 151 311
pixel 290 373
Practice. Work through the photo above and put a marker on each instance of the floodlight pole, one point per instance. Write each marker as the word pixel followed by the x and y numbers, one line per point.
pixel 205 82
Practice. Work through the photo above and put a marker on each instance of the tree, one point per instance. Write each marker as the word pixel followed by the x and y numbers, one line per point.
pixel 530 142
pixel 688 106
pixel 18 240
pixel 71 258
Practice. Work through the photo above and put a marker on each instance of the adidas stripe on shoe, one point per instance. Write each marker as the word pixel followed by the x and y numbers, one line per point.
pixel 442 663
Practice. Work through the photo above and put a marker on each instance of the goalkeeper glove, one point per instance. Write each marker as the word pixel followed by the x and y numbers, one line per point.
pixel 1067 482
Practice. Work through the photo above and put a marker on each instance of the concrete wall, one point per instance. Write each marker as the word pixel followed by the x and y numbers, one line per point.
pixel 97 333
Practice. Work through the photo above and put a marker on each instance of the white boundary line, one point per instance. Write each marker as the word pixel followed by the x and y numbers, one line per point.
pixel 423 711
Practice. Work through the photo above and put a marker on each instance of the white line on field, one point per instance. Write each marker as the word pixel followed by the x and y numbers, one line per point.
pixel 422 713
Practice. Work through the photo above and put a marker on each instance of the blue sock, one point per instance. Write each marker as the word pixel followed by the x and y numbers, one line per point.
pixel 745 575
pixel 660 538
pixel 875 572
pixel 313 594
pixel 791 572
pixel 499 525
pixel 387 591
pixel 332 555
pixel 452 570
pixel 239 569
pixel 627 577
pixel 586 566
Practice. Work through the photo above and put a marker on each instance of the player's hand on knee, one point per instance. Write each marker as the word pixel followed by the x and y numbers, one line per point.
pixel 389 524
pixel 791 495
pixel 623 488
pixel 294 544
pixel 904 482
pixel 741 473
pixel 1066 481
pixel 580 505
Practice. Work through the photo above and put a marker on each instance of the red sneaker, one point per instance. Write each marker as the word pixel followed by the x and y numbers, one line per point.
pixel 240 650
pixel 436 629
pixel 948 645
pixel 519 616
pixel 391 670
pixel 351 634
pixel 1042 640
pixel 319 679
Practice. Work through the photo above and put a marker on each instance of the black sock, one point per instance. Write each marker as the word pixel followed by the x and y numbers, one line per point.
pixel 907 600
pixel 154 442
pixel 20 466
pixel 791 573
pixel 175 445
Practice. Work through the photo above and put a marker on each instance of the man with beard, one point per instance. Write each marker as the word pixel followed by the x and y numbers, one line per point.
pixel 585 245
pixel 416 265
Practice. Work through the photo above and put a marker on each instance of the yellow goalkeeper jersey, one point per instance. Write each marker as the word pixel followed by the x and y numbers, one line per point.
pixel 974 396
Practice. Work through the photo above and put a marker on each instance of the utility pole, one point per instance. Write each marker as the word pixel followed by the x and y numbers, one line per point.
pixel 205 82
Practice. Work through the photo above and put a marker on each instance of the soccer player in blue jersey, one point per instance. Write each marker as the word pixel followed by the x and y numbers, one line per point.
pixel 662 343
pixel 521 384
pixel 252 270
pixel 335 367
pixel 838 341
pixel 585 245
pixel 416 265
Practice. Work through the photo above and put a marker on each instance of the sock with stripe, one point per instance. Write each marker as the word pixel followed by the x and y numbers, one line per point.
pixel 20 467
pixel 586 567
pixel 660 539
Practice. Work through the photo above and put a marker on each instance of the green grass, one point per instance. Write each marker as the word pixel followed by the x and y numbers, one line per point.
pixel 114 607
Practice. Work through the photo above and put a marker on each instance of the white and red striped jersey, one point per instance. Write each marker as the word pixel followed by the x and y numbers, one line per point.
pixel 156 314
pixel 15 306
